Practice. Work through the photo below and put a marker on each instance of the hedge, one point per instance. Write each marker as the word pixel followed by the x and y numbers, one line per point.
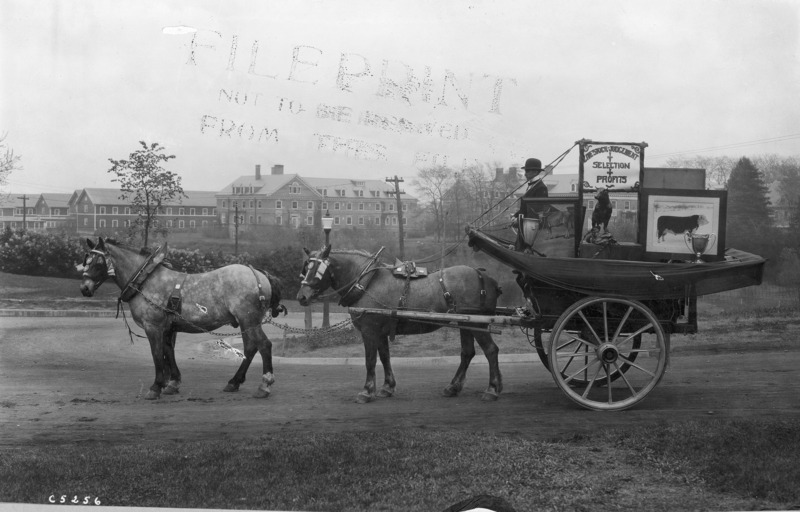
pixel 56 255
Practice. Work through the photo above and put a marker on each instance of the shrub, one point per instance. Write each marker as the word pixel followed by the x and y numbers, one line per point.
pixel 39 254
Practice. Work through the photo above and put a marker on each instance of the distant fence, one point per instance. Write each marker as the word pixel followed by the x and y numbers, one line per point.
pixel 752 299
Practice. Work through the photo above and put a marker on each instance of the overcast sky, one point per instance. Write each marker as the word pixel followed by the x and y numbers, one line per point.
pixel 370 89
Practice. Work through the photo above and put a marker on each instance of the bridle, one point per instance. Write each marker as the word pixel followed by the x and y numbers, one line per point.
pixel 319 267
pixel 89 259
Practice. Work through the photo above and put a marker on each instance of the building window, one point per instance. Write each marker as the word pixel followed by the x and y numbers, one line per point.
pixel 115 210
pixel 169 210
pixel 337 221
pixel 279 221
pixel 325 205
pixel 192 224
pixel 294 205
pixel 361 221
pixel 169 223
pixel 258 204
pixel 349 220
pixel 377 221
pixel 85 208
pixel 335 206
pixel 360 206
pixel 394 221
pixel 309 221
pixel 295 188
pixel 250 219
pixel 405 207
pixel 101 223
pixel 181 211
pixel 102 210
pixel 349 206
pixel 279 204
pixel 405 221
pixel 224 203
pixel 85 221
pixel 627 205
pixel 192 211
pixel 204 223
pixel 310 205
pixel 591 204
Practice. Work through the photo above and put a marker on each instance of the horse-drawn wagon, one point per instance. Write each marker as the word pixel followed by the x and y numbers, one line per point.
pixel 609 306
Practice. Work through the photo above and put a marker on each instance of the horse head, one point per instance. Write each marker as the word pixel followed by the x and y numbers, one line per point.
pixel 316 275
pixel 96 267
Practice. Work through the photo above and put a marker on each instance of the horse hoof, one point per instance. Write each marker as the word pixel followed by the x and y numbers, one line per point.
pixel 364 398
pixel 490 395
pixel 261 393
pixel 385 393
pixel 230 388
pixel 171 390
pixel 152 395
pixel 451 391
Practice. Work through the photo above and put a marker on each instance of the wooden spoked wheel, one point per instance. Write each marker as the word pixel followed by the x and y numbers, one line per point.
pixel 607 353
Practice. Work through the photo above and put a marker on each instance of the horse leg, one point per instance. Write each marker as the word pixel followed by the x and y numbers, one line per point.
pixel 156 338
pixel 250 350
pixel 492 352
pixel 265 349
pixel 467 353
pixel 170 365
pixel 388 375
pixel 369 338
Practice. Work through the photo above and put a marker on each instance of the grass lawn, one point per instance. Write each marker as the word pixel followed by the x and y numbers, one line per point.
pixel 728 465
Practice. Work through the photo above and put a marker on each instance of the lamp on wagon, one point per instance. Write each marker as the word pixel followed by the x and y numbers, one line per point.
pixel 327 224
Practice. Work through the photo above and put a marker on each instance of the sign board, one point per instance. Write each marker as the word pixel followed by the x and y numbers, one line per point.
pixel 613 165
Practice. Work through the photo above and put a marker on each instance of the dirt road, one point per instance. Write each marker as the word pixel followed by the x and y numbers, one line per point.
pixel 68 380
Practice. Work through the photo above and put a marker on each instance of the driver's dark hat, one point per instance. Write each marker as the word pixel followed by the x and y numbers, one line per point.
pixel 532 165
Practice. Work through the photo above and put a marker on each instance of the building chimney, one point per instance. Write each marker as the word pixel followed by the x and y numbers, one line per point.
pixel 512 173
pixel 258 172
pixel 277 169
pixel 498 174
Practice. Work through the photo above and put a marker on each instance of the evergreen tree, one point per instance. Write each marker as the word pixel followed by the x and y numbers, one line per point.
pixel 748 221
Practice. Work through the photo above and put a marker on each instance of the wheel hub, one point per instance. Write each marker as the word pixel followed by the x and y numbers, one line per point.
pixel 608 353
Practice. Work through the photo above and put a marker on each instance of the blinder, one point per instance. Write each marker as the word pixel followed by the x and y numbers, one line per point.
pixel 102 259
pixel 320 265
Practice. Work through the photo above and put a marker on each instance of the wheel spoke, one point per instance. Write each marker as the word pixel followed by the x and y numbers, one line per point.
pixel 589 325
pixel 575 338
pixel 624 378
pixel 634 334
pixel 592 381
pixel 621 324
pixel 588 365
pixel 608 384
pixel 634 365
pixel 605 322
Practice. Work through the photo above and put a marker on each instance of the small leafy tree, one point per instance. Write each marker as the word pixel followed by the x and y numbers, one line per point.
pixel 433 183
pixel 147 185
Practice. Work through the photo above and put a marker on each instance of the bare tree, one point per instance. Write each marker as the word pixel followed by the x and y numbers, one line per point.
pixel 9 162
pixel 432 184
pixel 718 168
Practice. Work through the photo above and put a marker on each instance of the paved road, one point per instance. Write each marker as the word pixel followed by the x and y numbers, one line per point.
pixel 75 380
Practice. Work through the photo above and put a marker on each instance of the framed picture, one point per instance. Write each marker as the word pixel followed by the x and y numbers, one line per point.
pixel 670 216
pixel 550 225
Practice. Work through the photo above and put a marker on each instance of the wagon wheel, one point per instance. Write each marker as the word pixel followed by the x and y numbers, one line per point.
pixel 631 355
pixel 596 338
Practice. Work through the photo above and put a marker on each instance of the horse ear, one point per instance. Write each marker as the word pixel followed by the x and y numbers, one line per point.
pixel 326 252
pixel 90 243
pixel 308 253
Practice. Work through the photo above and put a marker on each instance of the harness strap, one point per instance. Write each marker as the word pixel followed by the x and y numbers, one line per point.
pixel 483 288
pixel 448 297
pixel 358 288
pixel 174 302
pixel 261 297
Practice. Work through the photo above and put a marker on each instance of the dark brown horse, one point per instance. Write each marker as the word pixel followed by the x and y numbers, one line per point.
pixel 362 282
pixel 235 294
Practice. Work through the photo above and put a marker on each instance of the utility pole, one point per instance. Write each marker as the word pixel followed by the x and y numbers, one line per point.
pixel 397 193
pixel 236 230
pixel 24 210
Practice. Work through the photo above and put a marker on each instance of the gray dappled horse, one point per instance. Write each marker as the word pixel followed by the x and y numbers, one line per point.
pixel 235 294
pixel 364 283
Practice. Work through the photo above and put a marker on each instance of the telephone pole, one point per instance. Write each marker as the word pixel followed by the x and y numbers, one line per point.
pixel 397 181
pixel 24 210
pixel 236 231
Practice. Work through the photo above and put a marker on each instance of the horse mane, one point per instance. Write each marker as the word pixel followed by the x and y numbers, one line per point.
pixel 354 252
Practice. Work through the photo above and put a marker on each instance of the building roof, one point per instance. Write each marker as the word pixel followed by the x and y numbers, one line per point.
pixel 12 200
pixel 267 185
pixel 56 200
pixel 111 196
